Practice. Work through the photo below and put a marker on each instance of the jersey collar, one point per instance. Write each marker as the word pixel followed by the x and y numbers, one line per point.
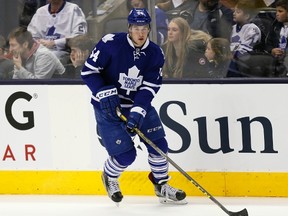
pixel 55 12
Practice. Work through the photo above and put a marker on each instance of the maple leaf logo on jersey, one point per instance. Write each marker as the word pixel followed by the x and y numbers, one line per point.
pixel 108 37
pixel 131 81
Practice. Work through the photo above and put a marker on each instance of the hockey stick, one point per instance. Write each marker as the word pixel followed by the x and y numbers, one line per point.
pixel 243 212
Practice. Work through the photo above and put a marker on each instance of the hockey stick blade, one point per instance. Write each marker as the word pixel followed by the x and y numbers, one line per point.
pixel 243 212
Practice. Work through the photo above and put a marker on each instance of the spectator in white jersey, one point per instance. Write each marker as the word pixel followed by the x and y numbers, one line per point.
pixel 31 59
pixel 55 22
pixel 245 34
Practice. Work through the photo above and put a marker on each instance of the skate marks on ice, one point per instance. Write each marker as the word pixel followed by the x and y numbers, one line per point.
pixel 18 205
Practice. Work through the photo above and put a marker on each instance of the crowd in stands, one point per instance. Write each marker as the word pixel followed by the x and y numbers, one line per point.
pixel 200 39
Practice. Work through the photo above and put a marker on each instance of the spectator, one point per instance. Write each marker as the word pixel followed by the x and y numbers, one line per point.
pixel 31 59
pixel 219 55
pixel 55 22
pixel 81 46
pixel 209 16
pixel 264 19
pixel 161 18
pixel 277 38
pixel 6 65
pixel 184 51
pixel 245 34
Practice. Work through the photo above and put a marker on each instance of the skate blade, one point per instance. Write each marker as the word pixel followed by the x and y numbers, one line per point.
pixel 163 200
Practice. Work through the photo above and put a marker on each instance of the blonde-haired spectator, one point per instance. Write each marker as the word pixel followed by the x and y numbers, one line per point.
pixel 184 51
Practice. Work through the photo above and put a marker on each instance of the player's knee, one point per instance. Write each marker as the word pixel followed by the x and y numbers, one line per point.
pixel 160 143
pixel 126 158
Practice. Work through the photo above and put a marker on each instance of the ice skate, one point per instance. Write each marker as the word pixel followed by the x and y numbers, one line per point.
pixel 112 188
pixel 167 194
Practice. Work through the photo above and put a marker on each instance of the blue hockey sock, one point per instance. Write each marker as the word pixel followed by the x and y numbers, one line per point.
pixel 112 168
pixel 159 167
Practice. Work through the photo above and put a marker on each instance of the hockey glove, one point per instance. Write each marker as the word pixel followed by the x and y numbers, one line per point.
pixel 135 119
pixel 109 101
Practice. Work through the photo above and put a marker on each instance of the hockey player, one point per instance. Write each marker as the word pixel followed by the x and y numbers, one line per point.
pixel 125 70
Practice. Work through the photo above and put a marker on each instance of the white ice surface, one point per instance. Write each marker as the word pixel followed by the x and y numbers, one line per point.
pixel 34 205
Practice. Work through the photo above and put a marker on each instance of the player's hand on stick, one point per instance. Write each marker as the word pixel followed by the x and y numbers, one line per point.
pixel 109 101
pixel 135 119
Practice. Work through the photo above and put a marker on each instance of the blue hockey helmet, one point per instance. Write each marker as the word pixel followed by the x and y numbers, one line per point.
pixel 139 16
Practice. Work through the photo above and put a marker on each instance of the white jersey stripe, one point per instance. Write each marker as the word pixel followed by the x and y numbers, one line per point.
pixel 151 84
pixel 149 89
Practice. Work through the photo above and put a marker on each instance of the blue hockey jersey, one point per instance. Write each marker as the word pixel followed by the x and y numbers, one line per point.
pixel 135 72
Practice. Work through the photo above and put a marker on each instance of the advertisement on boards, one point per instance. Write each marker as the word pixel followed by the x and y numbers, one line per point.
pixel 208 128
pixel 25 128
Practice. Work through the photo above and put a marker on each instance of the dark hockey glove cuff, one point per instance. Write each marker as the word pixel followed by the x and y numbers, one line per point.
pixel 108 102
pixel 135 118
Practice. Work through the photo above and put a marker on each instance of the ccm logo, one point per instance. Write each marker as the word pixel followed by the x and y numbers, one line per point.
pixel 106 93
pixel 150 130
